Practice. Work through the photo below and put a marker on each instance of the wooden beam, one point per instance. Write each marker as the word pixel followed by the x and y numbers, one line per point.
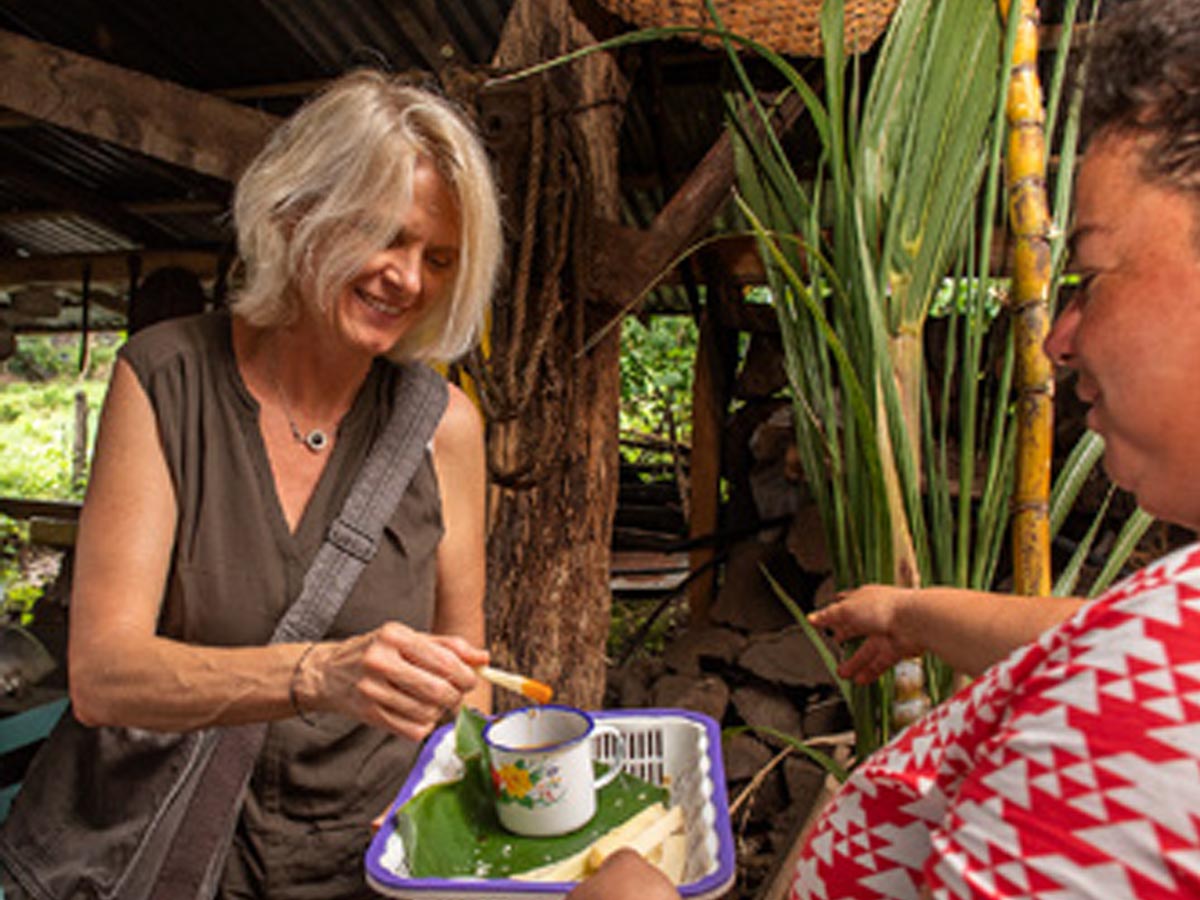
pixel 626 267
pixel 287 90
pixel 107 268
pixel 21 508
pixel 737 254
pixel 59 533
pixel 142 210
pixel 183 127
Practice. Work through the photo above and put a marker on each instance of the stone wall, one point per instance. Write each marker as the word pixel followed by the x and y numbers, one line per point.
pixel 751 666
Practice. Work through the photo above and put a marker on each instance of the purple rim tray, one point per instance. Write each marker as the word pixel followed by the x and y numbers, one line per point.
pixel 712 884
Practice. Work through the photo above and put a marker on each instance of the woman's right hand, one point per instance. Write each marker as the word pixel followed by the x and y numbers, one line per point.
pixel 871 612
pixel 393 677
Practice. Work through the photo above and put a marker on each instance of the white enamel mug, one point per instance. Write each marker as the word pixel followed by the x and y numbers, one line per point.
pixel 543 777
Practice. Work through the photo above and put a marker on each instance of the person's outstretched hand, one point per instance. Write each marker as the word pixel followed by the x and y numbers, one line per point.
pixel 871 612
pixel 625 876
pixel 393 677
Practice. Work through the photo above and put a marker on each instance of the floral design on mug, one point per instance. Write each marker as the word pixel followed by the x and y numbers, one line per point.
pixel 528 786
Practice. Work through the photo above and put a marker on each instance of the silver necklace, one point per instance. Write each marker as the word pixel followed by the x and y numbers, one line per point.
pixel 315 440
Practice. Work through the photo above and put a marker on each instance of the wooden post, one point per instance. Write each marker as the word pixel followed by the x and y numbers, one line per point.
pixel 551 406
pixel 80 444
pixel 134 265
pixel 708 414
pixel 716 362
pixel 85 337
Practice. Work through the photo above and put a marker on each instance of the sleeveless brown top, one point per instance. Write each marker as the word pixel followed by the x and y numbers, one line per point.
pixel 236 568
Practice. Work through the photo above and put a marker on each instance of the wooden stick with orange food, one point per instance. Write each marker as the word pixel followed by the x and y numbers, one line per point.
pixel 529 687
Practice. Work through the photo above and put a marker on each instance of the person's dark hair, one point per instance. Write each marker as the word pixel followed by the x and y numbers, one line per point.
pixel 1143 78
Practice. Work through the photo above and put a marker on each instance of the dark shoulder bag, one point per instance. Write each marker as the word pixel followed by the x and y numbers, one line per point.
pixel 188 788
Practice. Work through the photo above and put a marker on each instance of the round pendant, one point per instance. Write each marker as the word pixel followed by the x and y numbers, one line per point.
pixel 316 440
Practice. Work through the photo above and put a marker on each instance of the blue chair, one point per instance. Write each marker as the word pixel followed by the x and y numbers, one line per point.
pixel 24 729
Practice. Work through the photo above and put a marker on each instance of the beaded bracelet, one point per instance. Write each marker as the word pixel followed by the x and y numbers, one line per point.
pixel 292 687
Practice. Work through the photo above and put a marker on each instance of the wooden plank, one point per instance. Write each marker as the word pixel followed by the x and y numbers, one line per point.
pixel 107 268
pixel 20 508
pixel 47 532
pixel 139 209
pixel 643 571
pixel 183 127
pixel 739 256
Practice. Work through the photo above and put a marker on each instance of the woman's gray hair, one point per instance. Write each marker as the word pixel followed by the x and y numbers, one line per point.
pixel 329 190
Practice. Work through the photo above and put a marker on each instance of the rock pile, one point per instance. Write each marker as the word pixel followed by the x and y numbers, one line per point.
pixel 750 666
pixel 753 670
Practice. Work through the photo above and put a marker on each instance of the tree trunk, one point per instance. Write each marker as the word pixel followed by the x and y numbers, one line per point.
pixel 552 408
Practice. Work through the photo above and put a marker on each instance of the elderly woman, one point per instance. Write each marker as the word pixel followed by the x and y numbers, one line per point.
pixel 369 231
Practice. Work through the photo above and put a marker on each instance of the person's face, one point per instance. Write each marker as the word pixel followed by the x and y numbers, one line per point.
pixel 1132 334
pixel 398 284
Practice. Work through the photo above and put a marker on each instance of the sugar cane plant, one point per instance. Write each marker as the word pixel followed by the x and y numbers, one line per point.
pixel 913 480
pixel 913 477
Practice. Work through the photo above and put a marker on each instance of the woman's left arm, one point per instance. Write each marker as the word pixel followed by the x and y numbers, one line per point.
pixel 458 458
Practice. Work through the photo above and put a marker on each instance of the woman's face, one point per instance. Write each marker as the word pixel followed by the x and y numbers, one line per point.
pixel 1132 336
pixel 399 284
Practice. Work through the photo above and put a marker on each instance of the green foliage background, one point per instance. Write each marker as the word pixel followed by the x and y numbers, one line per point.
pixel 37 431
pixel 37 412
pixel 658 357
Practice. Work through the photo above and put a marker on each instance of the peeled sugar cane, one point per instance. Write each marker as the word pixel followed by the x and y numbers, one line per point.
pixel 657 833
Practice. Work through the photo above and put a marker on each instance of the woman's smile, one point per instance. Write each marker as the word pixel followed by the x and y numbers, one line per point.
pixel 399 283
pixel 385 306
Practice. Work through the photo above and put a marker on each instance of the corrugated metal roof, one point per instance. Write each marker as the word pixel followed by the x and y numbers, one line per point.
pixel 66 194
pixel 53 233
pixel 268 54
pixel 63 193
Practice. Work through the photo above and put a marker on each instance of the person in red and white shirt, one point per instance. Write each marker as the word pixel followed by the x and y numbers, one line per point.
pixel 1071 767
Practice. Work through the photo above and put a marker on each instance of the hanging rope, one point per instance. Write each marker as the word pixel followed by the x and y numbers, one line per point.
pixel 522 386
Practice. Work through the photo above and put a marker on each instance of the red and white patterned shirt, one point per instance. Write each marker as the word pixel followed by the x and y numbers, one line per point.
pixel 1070 769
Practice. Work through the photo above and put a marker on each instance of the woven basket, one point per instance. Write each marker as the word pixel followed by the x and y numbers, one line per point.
pixel 789 27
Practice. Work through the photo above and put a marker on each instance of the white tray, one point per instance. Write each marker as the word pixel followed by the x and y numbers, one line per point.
pixel 675 748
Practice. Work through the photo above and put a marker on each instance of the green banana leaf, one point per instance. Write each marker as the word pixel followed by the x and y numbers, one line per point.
pixel 450 830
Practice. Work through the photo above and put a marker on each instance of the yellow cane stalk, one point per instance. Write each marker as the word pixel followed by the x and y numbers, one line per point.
pixel 907 365
pixel 1030 217
pixel 910 699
